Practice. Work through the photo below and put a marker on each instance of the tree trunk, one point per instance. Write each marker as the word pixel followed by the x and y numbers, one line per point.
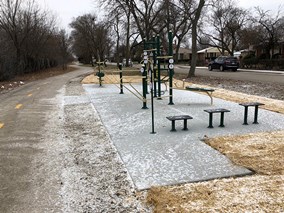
pixel 177 51
pixel 195 20
pixel 193 62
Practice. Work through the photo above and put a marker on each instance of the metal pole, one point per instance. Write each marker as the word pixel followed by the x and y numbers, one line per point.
pixel 121 80
pixel 158 66
pixel 144 80
pixel 171 74
pixel 246 116
pixel 154 45
pixel 255 115
pixel 152 103
pixel 100 78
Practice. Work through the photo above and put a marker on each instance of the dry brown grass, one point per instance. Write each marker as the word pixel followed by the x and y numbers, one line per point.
pixel 238 97
pixel 247 194
pixel 261 152
pixel 263 192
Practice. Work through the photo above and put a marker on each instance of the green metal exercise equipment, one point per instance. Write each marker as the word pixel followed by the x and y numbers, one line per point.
pixel 152 51
pixel 100 74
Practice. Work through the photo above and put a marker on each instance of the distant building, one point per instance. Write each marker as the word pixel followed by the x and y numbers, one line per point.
pixel 242 53
pixel 184 54
pixel 278 51
pixel 208 54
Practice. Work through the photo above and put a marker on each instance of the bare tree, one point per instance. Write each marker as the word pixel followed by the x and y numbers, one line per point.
pixel 83 37
pixel 227 22
pixel 120 18
pixel 64 48
pixel 175 17
pixel 27 34
pixel 270 29
pixel 90 39
pixel 195 17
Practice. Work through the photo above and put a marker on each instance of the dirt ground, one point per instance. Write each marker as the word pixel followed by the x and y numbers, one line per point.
pixel 260 152
pixel 20 80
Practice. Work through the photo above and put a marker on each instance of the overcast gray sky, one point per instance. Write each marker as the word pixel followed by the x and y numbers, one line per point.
pixel 68 9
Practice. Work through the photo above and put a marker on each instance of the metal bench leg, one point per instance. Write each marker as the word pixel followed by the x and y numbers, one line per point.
pixel 222 120
pixel 185 124
pixel 210 96
pixel 255 115
pixel 246 116
pixel 210 120
pixel 173 126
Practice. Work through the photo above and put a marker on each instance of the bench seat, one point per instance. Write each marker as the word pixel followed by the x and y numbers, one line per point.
pixel 179 117
pixel 208 91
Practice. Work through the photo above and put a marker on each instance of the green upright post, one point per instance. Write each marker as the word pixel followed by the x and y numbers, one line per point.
pixel 154 45
pixel 144 79
pixel 171 74
pixel 100 78
pixel 158 66
pixel 121 80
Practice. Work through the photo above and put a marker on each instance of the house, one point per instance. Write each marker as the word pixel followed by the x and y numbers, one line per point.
pixel 242 53
pixel 184 54
pixel 208 54
pixel 278 51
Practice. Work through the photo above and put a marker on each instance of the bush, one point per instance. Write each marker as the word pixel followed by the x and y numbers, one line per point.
pixel 249 61
pixel 7 69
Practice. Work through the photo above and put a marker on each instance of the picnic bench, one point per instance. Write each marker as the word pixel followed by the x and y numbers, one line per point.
pixel 179 117
pixel 208 91
pixel 248 104
pixel 219 110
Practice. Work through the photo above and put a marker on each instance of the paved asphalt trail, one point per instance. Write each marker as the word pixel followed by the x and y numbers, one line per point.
pixel 27 185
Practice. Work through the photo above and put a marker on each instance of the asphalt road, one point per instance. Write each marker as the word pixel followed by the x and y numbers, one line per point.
pixel 241 74
pixel 27 184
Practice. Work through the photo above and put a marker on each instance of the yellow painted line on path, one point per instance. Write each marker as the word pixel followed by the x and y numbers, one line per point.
pixel 18 106
pixel 29 95
pixel 1 125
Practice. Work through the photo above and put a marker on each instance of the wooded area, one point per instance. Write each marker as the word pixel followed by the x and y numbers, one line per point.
pixel 29 39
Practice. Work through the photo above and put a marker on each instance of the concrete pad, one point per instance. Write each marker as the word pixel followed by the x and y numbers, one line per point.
pixel 167 158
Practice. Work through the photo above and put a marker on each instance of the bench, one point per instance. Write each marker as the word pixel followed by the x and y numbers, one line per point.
pixel 248 104
pixel 212 111
pixel 179 117
pixel 208 91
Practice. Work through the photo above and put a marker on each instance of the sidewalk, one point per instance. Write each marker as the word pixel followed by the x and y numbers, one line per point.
pixel 167 158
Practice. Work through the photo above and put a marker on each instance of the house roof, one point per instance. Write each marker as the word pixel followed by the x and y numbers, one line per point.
pixel 210 50
pixel 183 50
